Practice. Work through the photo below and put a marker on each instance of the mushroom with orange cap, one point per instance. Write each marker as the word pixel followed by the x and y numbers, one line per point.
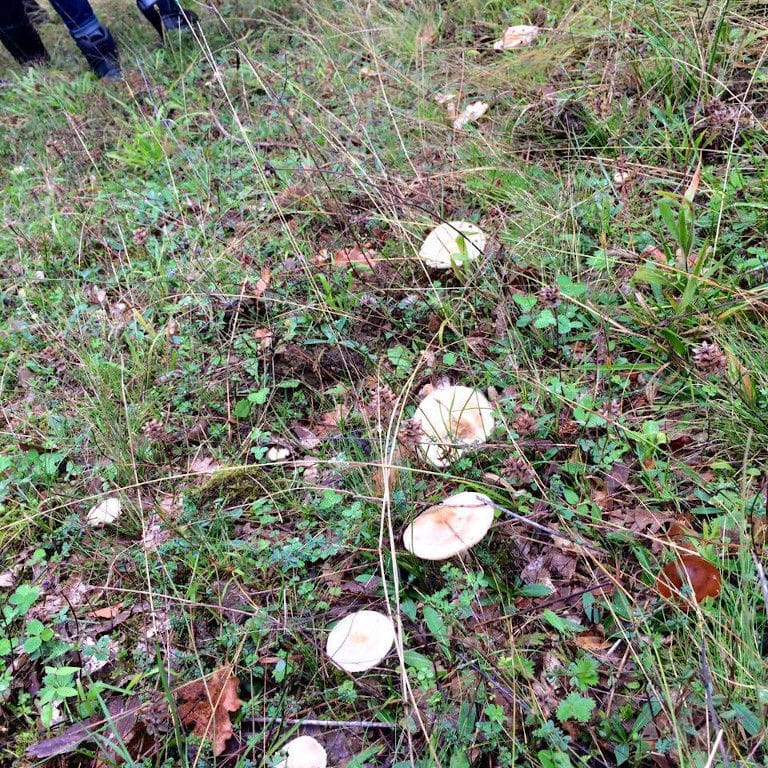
pixel 450 528
pixel 452 420
pixel 360 640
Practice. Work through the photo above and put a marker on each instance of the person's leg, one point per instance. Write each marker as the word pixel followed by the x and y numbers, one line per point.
pixel 91 36
pixel 18 35
pixel 167 15
pixel 35 13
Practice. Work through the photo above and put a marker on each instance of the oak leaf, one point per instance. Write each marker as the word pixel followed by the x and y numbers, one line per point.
pixel 205 705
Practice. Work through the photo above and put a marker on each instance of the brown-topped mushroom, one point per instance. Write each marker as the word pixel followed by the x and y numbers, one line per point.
pixel 360 640
pixel 452 420
pixel 450 528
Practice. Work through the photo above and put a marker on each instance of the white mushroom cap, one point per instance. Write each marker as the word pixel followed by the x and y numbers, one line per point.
pixel 452 419
pixel 452 243
pixel 104 513
pixel 449 528
pixel 304 752
pixel 360 640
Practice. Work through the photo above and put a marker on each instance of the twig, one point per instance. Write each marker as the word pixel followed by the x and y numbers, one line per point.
pixel 761 578
pixel 706 678
pixel 324 723
pixel 715 747
pixel 544 528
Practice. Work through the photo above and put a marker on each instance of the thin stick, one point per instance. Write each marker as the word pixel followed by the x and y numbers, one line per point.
pixel 539 527
pixel 324 723
pixel 714 749
pixel 706 678
pixel 761 578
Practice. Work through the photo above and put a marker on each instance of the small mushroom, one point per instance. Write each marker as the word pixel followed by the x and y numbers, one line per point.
pixel 689 570
pixel 452 244
pixel 452 420
pixel 304 752
pixel 360 640
pixel 450 528
pixel 104 513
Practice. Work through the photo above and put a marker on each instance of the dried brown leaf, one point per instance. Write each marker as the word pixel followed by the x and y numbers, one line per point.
pixel 109 612
pixel 206 705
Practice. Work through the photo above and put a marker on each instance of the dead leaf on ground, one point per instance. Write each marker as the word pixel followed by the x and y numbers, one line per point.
pixel 109 612
pixel 516 37
pixel 203 466
pixel 264 336
pixel 427 36
pixel 592 641
pixel 354 255
pixel 261 284
pixel 334 417
pixel 471 113
pixel 205 705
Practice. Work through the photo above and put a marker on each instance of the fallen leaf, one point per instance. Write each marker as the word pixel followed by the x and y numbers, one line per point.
pixel 206 704
pixel 427 35
pixel 203 465
pixel 334 417
pixel 104 513
pixel 264 336
pixel 516 37
pixel 105 613
pixel 470 113
pixel 261 284
pixel 354 255
pixel 306 437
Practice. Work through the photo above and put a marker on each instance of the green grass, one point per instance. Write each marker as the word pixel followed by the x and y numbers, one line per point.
pixel 173 310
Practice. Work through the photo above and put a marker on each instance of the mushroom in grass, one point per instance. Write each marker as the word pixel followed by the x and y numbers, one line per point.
pixel 453 244
pixel 452 420
pixel 360 640
pixel 692 571
pixel 450 528
pixel 304 752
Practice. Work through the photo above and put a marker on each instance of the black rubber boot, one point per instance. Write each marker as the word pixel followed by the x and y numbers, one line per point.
pixel 24 44
pixel 179 19
pixel 152 15
pixel 100 51
pixel 35 13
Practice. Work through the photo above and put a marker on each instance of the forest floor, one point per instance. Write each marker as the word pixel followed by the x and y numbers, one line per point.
pixel 216 328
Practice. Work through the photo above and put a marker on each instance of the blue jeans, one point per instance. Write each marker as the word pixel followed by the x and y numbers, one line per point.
pixel 78 16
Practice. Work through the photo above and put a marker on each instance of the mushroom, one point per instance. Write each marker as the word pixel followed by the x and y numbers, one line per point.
pixel 452 244
pixel 303 752
pixel 450 528
pixel 703 578
pixel 452 419
pixel 104 513
pixel 360 640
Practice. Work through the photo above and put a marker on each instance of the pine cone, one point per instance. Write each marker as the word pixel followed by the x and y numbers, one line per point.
pixel 382 400
pixel 550 295
pixel 410 434
pixel 524 424
pixel 154 429
pixel 518 471
pixel 610 411
pixel 710 359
